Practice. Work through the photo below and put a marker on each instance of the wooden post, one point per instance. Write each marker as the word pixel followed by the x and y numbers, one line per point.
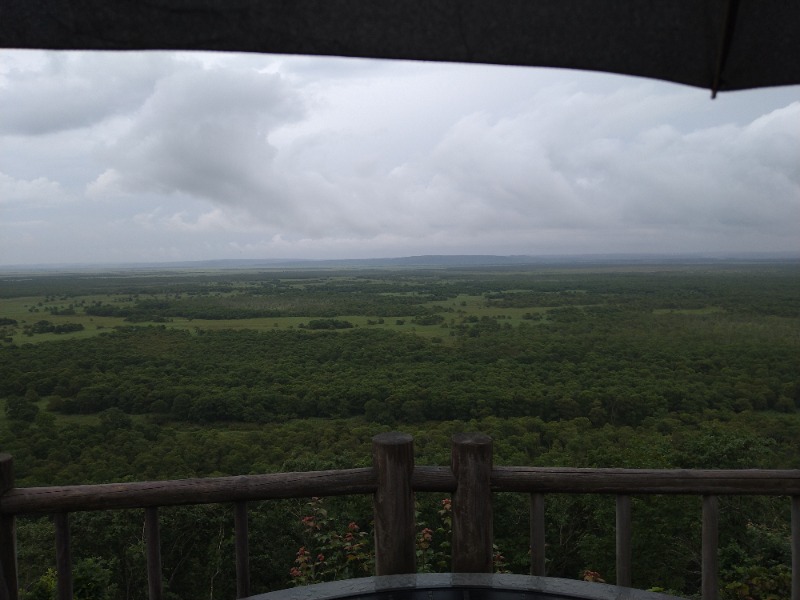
pixel 242 550
pixel 624 534
pixel 153 539
pixel 473 534
pixel 710 567
pixel 393 461
pixel 9 588
pixel 795 547
pixel 63 557
pixel 537 535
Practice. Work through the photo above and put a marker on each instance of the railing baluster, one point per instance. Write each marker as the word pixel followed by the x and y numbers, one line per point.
pixel 393 461
pixel 710 566
pixel 624 535
pixel 242 550
pixel 537 535
pixel 63 557
pixel 153 538
pixel 8 535
pixel 795 547
pixel 473 533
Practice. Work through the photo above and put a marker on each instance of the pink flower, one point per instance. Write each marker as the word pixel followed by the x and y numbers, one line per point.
pixel 593 576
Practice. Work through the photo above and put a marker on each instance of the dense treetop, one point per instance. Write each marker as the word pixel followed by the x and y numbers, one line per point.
pixel 179 375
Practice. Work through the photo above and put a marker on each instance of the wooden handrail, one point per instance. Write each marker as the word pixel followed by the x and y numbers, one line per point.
pixel 212 490
pixel 392 479
pixel 543 480
pixel 558 480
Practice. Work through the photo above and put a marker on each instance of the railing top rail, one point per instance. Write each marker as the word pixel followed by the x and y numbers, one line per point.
pixel 142 494
pixel 363 481
pixel 647 481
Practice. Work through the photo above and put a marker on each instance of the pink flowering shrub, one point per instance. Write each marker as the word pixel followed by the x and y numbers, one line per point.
pixel 332 552
pixel 433 543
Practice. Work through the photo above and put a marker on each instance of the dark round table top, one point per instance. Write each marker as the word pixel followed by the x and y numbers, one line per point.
pixel 460 586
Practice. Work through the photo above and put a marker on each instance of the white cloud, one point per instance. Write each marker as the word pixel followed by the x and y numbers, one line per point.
pixel 66 90
pixel 206 134
pixel 34 193
pixel 213 155
pixel 215 220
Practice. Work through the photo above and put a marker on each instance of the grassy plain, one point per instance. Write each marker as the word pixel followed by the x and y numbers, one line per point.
pixel 27 310
pixel 720 303
pixel 641 366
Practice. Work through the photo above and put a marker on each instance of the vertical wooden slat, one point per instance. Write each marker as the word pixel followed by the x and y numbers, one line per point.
pixel 473 532
pixel 242 550
pixel 9 588
pixel 155 587
pixel 395 544
pixel 795 547
pixel 710 566
pixel 537 535
pixel 63 557
pixel 624 535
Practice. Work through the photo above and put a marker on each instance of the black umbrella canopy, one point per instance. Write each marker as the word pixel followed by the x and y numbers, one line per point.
pixel 717 44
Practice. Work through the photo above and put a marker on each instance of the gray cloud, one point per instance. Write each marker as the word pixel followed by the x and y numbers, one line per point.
pixel 64 91
pixel 207 156
pixel 205 133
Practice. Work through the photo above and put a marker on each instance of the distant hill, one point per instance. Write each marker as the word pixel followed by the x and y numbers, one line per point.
pixel 428 260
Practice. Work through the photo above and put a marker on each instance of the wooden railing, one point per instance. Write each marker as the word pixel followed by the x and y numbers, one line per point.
pixel 393 480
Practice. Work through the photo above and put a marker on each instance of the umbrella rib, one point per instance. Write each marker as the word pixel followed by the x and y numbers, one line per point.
pixel 728 27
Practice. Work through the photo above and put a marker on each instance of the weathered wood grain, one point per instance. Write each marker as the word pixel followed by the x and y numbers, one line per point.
pixel 537 535
pixel 63 557
pixel 795 547
pixel 646 481
pixel 473 532
pixel 155 586
pixel 364 481
pixel 187 491
pixel 624 540
pixel 242 549
pixel 8 535
pixel 433 479
pixel 710 564
pixel 393 460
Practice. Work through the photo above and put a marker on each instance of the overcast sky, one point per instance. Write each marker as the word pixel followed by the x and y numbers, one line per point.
pixel 131 157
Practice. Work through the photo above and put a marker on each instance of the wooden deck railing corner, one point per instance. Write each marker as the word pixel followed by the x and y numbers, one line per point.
pixel 393 481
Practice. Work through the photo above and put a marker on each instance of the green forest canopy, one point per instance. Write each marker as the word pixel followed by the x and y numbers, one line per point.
pixel 184 374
